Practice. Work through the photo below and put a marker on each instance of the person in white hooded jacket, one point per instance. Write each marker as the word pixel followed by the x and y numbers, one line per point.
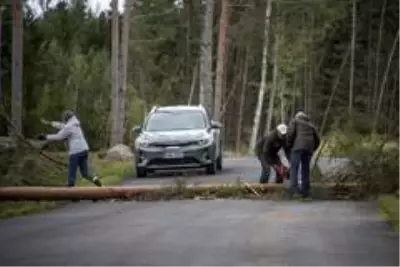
pixel 78 149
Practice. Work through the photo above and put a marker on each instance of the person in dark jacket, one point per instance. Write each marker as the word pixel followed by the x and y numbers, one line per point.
pixel 303 140
pixel 267 149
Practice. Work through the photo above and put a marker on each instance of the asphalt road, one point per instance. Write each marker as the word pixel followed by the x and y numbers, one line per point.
pixel 190 232
pixel 244 168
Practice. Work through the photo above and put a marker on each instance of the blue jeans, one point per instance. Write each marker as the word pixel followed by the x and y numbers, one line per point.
pixel 78 160
pixel 302 157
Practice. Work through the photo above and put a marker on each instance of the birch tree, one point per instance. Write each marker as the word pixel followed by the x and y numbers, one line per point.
pixel 264 72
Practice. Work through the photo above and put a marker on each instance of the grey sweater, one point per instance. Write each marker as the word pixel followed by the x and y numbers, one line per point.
pixel 72 132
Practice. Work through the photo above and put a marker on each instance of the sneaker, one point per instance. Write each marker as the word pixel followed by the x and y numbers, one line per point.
pixel 97 182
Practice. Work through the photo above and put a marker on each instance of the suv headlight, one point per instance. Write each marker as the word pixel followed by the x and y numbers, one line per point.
pixel 142 143
pixel 205 141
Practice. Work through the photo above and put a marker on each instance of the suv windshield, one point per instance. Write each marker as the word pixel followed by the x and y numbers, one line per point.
pixel 175 121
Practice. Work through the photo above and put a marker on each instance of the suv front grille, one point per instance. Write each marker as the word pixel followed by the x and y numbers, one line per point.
pixel 190 143
pixel 173 161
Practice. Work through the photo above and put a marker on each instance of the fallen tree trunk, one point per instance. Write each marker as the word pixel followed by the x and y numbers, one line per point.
pixel 153 192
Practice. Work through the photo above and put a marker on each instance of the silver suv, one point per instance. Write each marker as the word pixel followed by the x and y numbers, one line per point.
pixel 178 137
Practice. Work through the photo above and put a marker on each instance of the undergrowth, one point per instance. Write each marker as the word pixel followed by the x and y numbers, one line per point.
pixel 373 162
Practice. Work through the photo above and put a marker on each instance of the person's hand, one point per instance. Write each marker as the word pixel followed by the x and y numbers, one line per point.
pixel 46 122
pixel 41 137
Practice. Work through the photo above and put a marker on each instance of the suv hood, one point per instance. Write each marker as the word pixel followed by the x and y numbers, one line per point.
pixel 175 136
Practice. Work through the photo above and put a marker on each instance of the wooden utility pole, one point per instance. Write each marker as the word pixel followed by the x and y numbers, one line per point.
pixel 17 33
pixel 115 124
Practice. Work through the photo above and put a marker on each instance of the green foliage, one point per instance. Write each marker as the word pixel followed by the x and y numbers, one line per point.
pixel 389 205
pixel 374 165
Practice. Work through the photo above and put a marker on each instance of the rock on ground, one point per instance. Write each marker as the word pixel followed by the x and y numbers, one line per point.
pixel 119 152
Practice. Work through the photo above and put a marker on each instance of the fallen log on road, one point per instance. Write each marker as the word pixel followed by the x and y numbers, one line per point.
pixel 155 192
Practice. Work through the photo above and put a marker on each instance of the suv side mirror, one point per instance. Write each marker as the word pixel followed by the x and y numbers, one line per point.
pixel 137 129
pixel 215 125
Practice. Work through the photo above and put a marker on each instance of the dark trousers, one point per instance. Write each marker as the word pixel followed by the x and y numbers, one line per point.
pixel 297 158
pixel 78 160
pixel 266 170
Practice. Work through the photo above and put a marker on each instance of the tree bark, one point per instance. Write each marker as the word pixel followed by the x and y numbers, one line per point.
pixel 206 74
pixel 238 140
pixel 221 58
pixel 377 55
pixel 114 73
pixel 383 83
pixel 17 44
pixel 193 84
pixel 353 50
pixel 264 73
pixel 274 84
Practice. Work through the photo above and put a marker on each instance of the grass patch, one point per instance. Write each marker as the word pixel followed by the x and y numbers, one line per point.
pixel 389 206
pixel 110 172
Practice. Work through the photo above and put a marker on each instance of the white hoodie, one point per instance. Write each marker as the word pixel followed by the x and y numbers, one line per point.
pixel 73 133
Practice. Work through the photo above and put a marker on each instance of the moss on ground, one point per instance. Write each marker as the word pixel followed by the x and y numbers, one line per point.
pixel 389 206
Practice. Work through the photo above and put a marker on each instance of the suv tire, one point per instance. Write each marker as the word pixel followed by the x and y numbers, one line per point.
pixel 219 162
pixel 141 172
pixel 212 168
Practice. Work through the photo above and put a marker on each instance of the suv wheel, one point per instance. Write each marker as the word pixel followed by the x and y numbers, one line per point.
pixel 141 172
pixel 219 162
pixel 212 168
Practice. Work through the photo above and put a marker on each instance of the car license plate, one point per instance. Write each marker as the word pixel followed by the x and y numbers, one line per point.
pixel 173 155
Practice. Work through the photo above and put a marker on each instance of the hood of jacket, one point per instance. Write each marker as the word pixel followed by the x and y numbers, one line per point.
pixel 302 116
pixel 73 121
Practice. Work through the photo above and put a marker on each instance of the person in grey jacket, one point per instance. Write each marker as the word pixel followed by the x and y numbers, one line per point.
pixel 78 149
pixel 302 140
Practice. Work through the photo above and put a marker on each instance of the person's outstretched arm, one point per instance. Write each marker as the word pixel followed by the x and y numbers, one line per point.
pixel 61 135
pixel 56 124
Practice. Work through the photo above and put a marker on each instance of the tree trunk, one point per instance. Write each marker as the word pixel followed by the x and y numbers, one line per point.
pixel 264 73
pixel 377 55
pixel 232 90
pixel 1 35
pixel 114 73
pixel 393 98
pixel 238 140
pixel 17 44
pixel 369 67
pixel 221 58
pixel 383 83
pixel 206 74
pixel 270 114
pixel 353 50
pixel 193 83
pixel 282 99
pixel 123 68
pixel 334 87
pixel 141 91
